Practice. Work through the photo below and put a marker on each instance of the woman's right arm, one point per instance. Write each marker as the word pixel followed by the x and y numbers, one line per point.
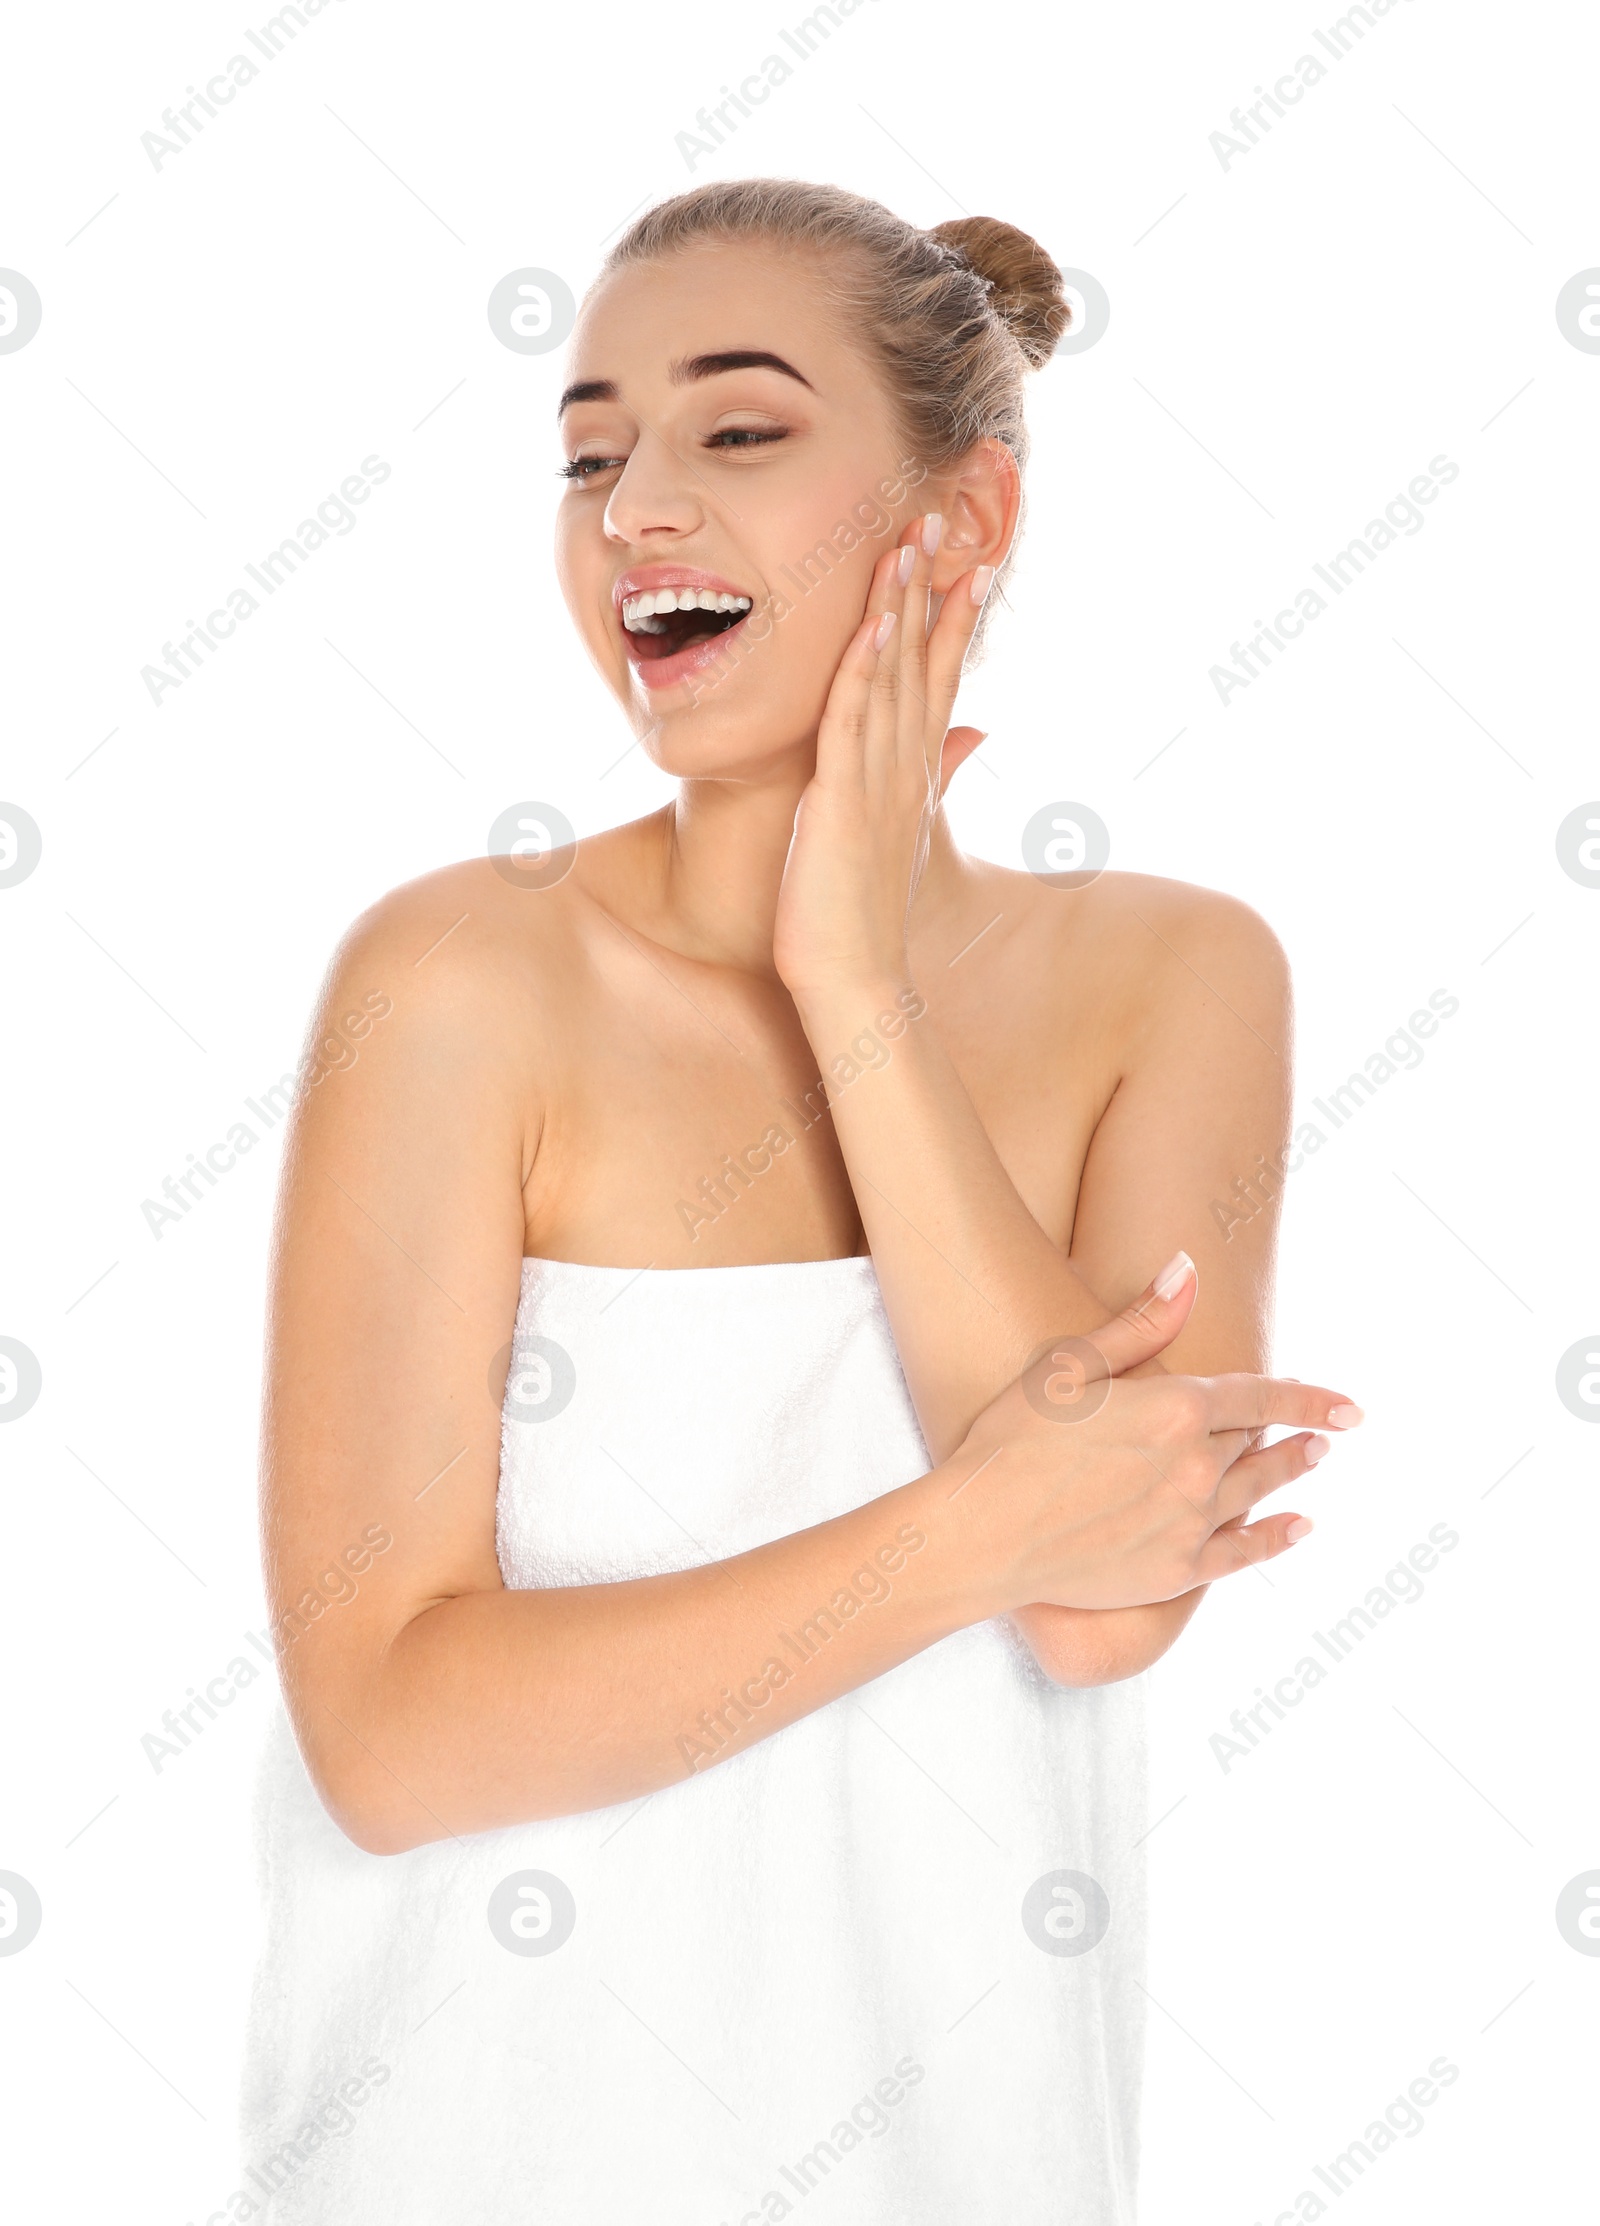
pixel 430 1700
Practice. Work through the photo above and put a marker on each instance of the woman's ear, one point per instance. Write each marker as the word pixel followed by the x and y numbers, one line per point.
pixel 982 501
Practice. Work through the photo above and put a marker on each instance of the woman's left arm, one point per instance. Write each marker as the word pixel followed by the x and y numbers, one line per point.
pixel 972 1284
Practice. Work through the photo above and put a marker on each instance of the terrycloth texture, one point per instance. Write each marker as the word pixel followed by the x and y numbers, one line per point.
pixel 803 1980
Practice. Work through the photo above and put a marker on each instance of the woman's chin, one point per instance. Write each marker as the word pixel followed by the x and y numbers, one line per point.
pixel 695 745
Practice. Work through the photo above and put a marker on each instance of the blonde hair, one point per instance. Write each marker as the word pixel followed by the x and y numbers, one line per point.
pixel 952 319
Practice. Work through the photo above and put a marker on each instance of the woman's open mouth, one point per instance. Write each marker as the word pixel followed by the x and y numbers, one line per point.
pixel 673 632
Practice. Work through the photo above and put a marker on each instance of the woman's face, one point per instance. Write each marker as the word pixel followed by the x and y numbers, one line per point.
pixel 769 488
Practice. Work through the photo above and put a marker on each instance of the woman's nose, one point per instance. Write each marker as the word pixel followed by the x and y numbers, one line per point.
pixel 656 492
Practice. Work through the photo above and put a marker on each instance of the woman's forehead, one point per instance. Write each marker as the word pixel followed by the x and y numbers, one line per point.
pixel 712 299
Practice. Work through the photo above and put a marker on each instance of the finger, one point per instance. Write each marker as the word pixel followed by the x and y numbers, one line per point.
pixel 890 589
pixel 951 638
pixel 846 716
pixel 922 538
pixel 1229 1444
pixel 1153 1320
pixel 924 708
pixel 1255 1402
pixel 1231 1550
pixel 842 732
pixel 1254 1476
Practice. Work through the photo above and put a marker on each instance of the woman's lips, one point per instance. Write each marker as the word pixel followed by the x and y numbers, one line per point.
pixel 657 671
pixel 681 616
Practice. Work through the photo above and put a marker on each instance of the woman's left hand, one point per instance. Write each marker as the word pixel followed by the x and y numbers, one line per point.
pixel 885 753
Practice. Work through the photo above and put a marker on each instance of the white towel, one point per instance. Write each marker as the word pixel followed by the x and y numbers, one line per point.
pixel 881 1969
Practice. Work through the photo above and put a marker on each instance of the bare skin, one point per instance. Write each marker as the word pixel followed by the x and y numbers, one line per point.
pixel 1043 1091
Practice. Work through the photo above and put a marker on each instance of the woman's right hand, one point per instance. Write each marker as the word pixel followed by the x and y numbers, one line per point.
pixel 1085 1487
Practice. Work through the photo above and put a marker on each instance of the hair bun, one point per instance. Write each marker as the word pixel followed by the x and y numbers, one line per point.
pixel 1026 287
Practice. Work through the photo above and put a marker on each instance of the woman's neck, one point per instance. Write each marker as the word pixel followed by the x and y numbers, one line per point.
pixel 714 864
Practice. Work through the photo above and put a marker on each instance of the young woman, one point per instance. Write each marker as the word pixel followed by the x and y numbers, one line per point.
pixel 715 1512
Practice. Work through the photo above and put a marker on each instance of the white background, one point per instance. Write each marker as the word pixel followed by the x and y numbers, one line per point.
pixel 1292 339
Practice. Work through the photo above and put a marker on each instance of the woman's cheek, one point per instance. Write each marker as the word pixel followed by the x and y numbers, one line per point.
pixel 582 588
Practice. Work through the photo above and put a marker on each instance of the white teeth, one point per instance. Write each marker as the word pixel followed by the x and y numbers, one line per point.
pixel 640 611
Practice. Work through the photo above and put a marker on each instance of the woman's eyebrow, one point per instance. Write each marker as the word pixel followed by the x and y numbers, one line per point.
pixel 732 359
pixel 588 390
pixel 685 371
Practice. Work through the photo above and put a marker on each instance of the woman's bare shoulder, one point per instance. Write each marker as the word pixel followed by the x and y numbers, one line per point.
pixel 1183 918
pixel 486 925
pixel 478 974
pixel 1137 925
pixel 1131 966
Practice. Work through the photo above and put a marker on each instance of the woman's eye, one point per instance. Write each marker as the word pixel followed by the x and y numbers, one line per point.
pixel 584 467
pixel 730 437
pixel 744 436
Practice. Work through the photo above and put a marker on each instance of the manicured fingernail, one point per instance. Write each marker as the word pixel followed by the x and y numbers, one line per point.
pixel 932 527
pixel 982 581
pixel 908 563
pixel 1315 1449
pixel 1173 1276
pixel 1346 1417
pixel 1301 1527
pixel 884 628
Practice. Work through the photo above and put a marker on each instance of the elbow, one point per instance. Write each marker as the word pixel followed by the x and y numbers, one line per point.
pixel 368 1818
pixel 1075 1669
pixel 360 1798
pixel 1076 1649
pixel 372 1829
